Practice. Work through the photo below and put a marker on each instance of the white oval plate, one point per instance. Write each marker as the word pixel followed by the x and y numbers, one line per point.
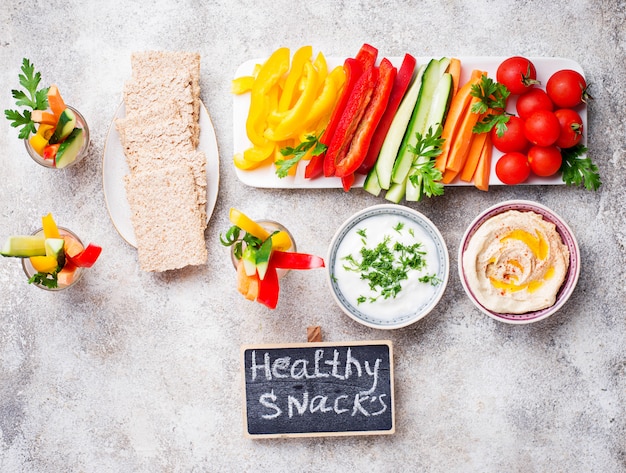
pixel 114 168
pixel 266 177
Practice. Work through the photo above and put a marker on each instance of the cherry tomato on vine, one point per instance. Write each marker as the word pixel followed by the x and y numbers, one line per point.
pixel 513 168
pixel 544 161
pixel 517 74
pixel 542 128
pixel 513 139
pixel 571 127
pixel 567 88
pixel 532 101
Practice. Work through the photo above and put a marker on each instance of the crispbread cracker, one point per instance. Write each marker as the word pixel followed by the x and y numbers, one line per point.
pixel 166 187
pixel 168 236
pixel 147 65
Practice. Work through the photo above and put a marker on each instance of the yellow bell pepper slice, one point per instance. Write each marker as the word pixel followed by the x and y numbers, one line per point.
pixel 44 264
pixel 269 75
pixel 248 225
pixel 245 165
pixel 50 229
pixel 280 240
pixel 300 57
pixel 40 139
pixel 292 121
pixel 241 85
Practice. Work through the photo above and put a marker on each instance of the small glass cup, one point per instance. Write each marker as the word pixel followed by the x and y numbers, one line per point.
pixel 271 226
pixel 30 271
pixel 49 163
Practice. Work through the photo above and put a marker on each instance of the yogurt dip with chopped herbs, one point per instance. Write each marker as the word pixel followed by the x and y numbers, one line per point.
pixel 386 266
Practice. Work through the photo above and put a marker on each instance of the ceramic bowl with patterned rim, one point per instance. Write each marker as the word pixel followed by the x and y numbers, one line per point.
pixel 417 297
pixel 564 231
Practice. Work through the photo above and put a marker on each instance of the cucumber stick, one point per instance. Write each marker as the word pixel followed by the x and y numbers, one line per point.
pixel 438 108
pixel 419 118
pixel 391 144
pixel 371 183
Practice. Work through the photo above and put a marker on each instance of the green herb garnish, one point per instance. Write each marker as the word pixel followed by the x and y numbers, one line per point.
pixel 311 142
pixel 493 97
pixel 423 173
pixel 49 280
pixel 232 237
pixel 386 265
pixel 578 170
pixel 31 97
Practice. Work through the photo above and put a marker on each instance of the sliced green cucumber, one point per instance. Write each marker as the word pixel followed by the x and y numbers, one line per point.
pixel 263 257
pixel 396 192
pixel 65 125
pixel 371 183
pixel 248 257
pixel 419 118
pixel 24 246
pixel 391 144
pixel 436 116
pixel 69 149
pixel 56 247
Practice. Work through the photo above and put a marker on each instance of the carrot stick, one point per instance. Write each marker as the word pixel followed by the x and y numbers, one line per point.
pixel 458 105
pixel 473 156
pixel 454 68
pixel 463 138
pixel 481 177
pixel 448 176
pixel 55 101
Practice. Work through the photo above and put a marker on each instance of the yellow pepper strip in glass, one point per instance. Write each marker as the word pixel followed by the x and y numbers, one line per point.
pixel 50 229
pixel 269 75
pixel 44 264
pixel 247 224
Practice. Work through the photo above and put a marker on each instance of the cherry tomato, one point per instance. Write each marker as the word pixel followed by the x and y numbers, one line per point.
pixel 532 101
pixel 567 88
pixel 571 127
pixel 544 160
pixel 513 139
pixel 542 128
pixel 517 74
pixel 513 168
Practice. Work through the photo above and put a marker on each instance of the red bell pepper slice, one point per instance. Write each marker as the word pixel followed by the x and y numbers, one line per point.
pixel 269 288
pixel 400 86
pixel 355 108
pixel 87 257
pixel 367 126
pixel 293 260
pixel 353 69
pixel 367 56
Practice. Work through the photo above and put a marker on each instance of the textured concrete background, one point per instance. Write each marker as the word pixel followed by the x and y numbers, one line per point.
pixel 139 372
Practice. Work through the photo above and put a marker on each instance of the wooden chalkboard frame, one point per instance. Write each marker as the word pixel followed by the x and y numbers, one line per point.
pixel 352 418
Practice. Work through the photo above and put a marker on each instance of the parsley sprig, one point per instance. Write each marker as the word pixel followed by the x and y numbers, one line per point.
pixel 386 265
pixel 232 237
pixel 49 280
pixel 492 105
pixel 423 172
pixel 31 97
pixel 311 142
pixel 578 169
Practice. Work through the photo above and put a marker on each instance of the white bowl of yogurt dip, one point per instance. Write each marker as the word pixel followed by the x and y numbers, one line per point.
pixel 388 266
pixel 519 262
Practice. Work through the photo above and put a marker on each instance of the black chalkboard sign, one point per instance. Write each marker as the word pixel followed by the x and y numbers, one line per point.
pixel 317 389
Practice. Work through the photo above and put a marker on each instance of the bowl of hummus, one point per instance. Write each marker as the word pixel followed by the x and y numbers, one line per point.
pixel 387 266
pixel 519 262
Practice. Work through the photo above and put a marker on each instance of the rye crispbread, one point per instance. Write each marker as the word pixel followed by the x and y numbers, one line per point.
pixel 165 242
pixel 166 187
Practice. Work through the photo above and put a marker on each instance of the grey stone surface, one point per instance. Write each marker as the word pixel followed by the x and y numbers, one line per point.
pixel 138 372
